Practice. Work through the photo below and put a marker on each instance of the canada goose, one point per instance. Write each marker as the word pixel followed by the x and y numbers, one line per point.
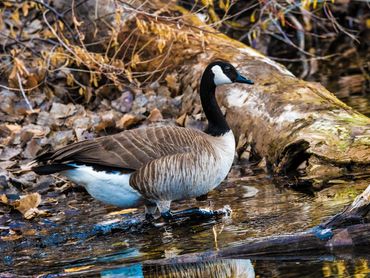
pixel 155 165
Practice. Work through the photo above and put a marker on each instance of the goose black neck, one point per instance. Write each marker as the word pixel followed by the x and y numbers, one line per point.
pixel 217 124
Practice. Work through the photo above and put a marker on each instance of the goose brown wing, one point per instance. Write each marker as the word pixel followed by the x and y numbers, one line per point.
pixel 127 150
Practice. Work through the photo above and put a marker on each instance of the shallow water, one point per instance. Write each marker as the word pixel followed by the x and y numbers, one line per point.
pixel 260 208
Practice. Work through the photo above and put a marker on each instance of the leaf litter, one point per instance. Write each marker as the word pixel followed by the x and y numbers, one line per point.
pixel 47 102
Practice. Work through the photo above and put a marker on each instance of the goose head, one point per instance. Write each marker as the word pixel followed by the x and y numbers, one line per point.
pixel 217 73
pixel 225 73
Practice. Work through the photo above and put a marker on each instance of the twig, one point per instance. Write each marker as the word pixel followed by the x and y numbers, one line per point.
pixel 18 90
pixel 24 94
pixel 301 40
pixel 306 59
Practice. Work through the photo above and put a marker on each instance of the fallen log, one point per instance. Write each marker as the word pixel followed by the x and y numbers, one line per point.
pixel 297 127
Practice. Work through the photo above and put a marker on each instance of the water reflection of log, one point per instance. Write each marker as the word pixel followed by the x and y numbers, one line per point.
pixel 214 268
pixel 347 230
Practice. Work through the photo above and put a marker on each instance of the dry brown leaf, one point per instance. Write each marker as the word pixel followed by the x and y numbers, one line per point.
pixel 8 153
pixel 37 130
pixel 59 110
pixel 30 232
pixel 155 116
pixel 32 81
pixel 172 83
pixel 13 127
pixel 31 149
pixel 34 111
pixel 28 204
pixel 107 120
pixel 128 120
pixel 8 164
pixel 181 120
pixel 11 237
pixel 4 199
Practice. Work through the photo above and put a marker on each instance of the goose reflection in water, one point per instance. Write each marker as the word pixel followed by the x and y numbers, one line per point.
pixel 222 268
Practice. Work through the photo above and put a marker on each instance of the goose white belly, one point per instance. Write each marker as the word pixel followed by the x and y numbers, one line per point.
pixel 111 188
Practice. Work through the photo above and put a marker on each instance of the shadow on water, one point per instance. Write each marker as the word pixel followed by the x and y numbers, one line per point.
pixel 260 208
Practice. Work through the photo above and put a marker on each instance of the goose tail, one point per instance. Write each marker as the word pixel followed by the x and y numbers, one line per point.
pixel 51 168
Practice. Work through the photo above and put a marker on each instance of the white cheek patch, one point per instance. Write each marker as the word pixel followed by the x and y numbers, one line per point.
pixel 219 76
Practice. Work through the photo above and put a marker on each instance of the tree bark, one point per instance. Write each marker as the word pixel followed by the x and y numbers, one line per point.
pixel 294 125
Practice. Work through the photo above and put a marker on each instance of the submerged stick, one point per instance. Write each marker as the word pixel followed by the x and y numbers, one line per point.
pixel 353 214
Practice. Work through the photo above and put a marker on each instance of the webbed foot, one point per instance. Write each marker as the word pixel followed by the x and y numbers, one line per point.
pixel 167 215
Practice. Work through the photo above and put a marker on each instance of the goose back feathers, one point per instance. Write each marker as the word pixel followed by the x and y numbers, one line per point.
pixel 129 150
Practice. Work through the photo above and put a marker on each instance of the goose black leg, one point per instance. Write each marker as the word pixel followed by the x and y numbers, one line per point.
pixel 150 209
pixel 149 217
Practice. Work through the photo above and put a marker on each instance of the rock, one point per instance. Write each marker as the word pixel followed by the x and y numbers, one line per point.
pixel 154 102
pixel 140 101
pixel 124 102
pixel 38 99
